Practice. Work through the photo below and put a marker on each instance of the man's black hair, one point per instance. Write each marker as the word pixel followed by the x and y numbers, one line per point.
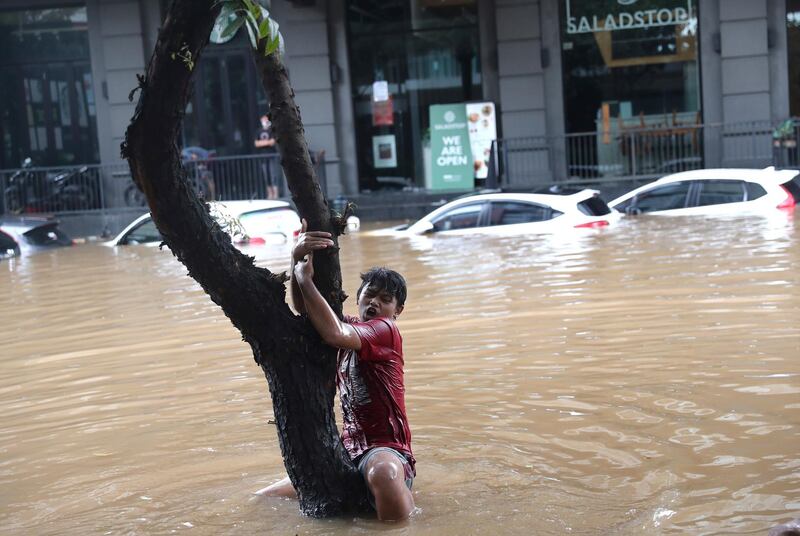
pixel 385 279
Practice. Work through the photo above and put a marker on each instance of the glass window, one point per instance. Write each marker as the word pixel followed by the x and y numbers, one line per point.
pixel 227 102
pixel 426 51
pixel 8 246
pixel 793 187
pixel 720 192
pixel 631 86
pixel 754 191
pixel 145 233
pixel 793 52
pixel 510 213
pixel 667 197
pixel 594 206
pixel 47 105
pixel 47 235
pixel 463 217
pixel 266 222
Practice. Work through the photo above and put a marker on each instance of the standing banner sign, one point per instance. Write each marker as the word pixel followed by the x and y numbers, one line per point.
pixel 482 132
pixel 451 156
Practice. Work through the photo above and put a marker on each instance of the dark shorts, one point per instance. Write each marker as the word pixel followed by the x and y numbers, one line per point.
pixel 364 458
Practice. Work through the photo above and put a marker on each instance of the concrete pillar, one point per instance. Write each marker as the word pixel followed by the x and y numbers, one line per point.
pixel 305 31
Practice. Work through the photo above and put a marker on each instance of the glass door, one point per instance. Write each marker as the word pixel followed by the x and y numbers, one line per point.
pixel 793 52
pixel 228 100
pixel 406 55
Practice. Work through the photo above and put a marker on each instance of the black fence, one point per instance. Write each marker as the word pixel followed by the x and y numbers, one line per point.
pixel 31 190
pixel 644 153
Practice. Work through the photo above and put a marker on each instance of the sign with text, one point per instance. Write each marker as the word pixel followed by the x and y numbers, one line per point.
pixel 384 151
pixel 482 132
pixel 587 16
pixel 451 156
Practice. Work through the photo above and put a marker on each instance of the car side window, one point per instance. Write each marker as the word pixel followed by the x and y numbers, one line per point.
pixel 146 232
pixel 510 213
pixel 720 192
pixel 666 197
pixel 754 191
pixel 463 217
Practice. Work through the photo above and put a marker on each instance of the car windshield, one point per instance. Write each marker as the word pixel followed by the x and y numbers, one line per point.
pixel 145 233
pixel 46 236
pixel 594 206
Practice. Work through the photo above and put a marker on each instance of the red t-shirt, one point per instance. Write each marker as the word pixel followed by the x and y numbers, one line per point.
pixel 372 392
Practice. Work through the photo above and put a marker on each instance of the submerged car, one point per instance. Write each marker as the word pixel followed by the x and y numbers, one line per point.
pixel 8 246
pixel 714 192
pixel 250 223
pixel 503 213
pixel 32 234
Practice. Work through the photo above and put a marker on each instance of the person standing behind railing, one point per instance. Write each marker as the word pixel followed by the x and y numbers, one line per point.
pixel 265 144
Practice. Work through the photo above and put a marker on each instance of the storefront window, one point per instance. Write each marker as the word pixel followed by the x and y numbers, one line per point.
pixel 793 51
pixel 47 103
pixel 406 55
pixel 228 99
pixel 631 86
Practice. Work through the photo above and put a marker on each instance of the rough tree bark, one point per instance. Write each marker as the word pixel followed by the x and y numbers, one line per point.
pixel 299 368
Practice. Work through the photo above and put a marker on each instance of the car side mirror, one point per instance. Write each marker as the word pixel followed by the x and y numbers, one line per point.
pixel 427 227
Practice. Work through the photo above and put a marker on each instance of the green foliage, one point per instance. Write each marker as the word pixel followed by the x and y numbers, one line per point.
pixel 254 17
pixel 185 55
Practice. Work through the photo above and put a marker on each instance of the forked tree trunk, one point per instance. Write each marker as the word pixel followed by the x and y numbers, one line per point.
pixel 299 368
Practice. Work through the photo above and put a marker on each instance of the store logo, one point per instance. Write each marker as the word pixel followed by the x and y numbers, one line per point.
pixel 629 16
pixel 449 116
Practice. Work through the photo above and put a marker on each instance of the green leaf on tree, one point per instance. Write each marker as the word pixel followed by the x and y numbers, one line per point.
pixel 226 24
pixel 252 31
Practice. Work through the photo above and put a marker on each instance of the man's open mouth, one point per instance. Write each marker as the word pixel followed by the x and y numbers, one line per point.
pixel 370 311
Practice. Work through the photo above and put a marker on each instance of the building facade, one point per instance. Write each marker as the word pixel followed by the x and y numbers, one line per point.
pixel 580 89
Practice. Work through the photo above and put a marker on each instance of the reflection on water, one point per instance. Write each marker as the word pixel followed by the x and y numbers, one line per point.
pixel 640 379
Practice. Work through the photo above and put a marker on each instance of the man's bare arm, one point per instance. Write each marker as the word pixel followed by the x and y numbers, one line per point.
pixel 306 243
pixel 264 143
pixel 332 330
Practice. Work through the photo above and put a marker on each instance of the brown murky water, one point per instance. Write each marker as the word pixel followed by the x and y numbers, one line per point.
pixel 639 379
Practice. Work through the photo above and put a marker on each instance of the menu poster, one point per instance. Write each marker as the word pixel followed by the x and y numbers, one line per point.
pixel 383 113
pixel 482 128
pixel 384 151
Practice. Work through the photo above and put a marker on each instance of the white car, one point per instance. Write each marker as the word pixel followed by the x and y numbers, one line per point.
pixel 249 223
pixel 712 192
pixel 504 213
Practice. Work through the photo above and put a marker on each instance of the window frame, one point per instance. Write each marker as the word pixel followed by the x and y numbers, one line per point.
pixel 686 201
pixel 697 190
pixel 548 210
pixel 482 216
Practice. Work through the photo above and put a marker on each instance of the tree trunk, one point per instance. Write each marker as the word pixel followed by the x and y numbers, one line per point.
pixel 299 368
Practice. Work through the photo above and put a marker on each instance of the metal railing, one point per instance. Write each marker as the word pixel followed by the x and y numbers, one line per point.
pixel 642 153
pixel 94 187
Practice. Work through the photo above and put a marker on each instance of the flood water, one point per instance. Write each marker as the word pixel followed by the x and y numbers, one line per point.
pixel 642 379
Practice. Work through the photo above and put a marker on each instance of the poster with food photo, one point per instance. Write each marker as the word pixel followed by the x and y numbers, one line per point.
pixel 482 127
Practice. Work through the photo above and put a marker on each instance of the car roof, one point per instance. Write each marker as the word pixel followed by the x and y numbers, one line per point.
pixel 26 223
pixel 235 207
pixel 553 200
pixel 769 173
pixel 241 207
